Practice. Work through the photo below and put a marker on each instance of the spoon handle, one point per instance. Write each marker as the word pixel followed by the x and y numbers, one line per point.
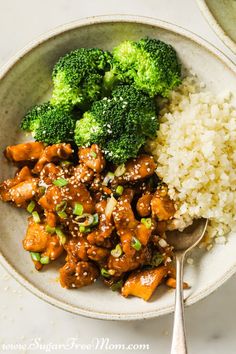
pixel 179 345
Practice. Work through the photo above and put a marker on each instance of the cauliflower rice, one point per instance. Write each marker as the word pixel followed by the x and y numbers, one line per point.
pixel 196 154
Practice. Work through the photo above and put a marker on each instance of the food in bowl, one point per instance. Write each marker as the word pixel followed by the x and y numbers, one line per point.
pixel 87 181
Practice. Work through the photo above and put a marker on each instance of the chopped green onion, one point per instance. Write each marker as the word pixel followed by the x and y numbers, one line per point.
pixel 117 251
pixel 136 244
pixel 36 217
pixel 30 206
pixel 62 214
pixel 42 190
pixel 78 209
pixel 61 206
pixel 105 273
pixel 95 220
pixel 35 256
pixel 65 163
pixel 82 228
pixel 61 235
pixel 108 178
pixel 50 230
pixel 60 182
pixel 84 219
pixel 44 260
pixel 147 222
pixel 93 154
pixel 116 286
pixel 157 259
pixel 120 170
pixel 119 190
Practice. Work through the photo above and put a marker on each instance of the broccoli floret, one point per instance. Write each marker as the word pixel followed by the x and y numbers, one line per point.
pixel 150 64
pixel 88 130
pixel 50 124
pixel 78 77
pixel 125 147
pixel 119 124
pixel 31 120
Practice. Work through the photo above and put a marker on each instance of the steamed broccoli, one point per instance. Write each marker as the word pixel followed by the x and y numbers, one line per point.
pixel 119 124
pixel 50 124
pixel 150 64
pixel 78 77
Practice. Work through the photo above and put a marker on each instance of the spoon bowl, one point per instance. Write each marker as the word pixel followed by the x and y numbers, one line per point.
pixel 184 241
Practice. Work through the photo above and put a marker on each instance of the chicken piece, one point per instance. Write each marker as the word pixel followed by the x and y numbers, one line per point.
pixel 171 282
pixel 127 226
pixel 71 193
pixel 83 173
pixel 21 176
pixel 162 206
pixel 76 249
pixel 52 197
pixel 77 275
pixel 141 167
pixel 144 283
pixel 24 152
pixel 143 233
pixel 144 205
pixel 53 153
pixel 54 248
pixel 105 227
pixel 36 237
pixel 51 219
pixel 49 173
pixel 98 254
pixel 126 263
pixel 23 191
pixel 92 157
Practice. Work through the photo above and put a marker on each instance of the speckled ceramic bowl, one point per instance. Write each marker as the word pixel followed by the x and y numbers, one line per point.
pixel 221 16
pixel 24 82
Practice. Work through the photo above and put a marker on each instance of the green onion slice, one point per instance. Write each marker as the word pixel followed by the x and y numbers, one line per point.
pixel 82 228
pixel 95 220
pixel 117 286
pixel 120 170
pixel 93 154
pixel 157 259
pixel 44 260
pixel 84 219
pixel 147 222
pixel 35 256
pixel 61 206
pixel 31 206
pixel 105 273
pixel 36 217
pixel 108 178
pixel 60 182
pixel 117 251
pixel 136 244
pixel 62 214
pixel 50 230
pixel 61 235
pixel 78 209
pixel 65 163
pixel 119 190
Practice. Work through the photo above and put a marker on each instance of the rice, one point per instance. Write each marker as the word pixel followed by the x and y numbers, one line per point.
pixel 196 153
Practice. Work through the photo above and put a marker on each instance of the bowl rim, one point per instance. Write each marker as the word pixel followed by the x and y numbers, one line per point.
pixel 215 25
pixel 88 22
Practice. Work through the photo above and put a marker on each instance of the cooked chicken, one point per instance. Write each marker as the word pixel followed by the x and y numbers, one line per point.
pixel 24 152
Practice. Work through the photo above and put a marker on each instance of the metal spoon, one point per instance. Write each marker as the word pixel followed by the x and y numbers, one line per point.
pixel 183 242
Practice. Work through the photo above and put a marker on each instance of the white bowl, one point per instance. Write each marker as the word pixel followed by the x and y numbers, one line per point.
pixel 221 16
pixel 24 82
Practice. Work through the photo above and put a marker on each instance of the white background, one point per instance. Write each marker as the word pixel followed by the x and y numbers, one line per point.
pixel 210 324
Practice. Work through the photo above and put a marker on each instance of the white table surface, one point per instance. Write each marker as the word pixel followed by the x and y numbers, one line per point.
pixel 24 318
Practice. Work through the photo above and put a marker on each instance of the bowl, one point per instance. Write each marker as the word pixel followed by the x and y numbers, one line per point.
pixel 221 16
pixel 25 81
